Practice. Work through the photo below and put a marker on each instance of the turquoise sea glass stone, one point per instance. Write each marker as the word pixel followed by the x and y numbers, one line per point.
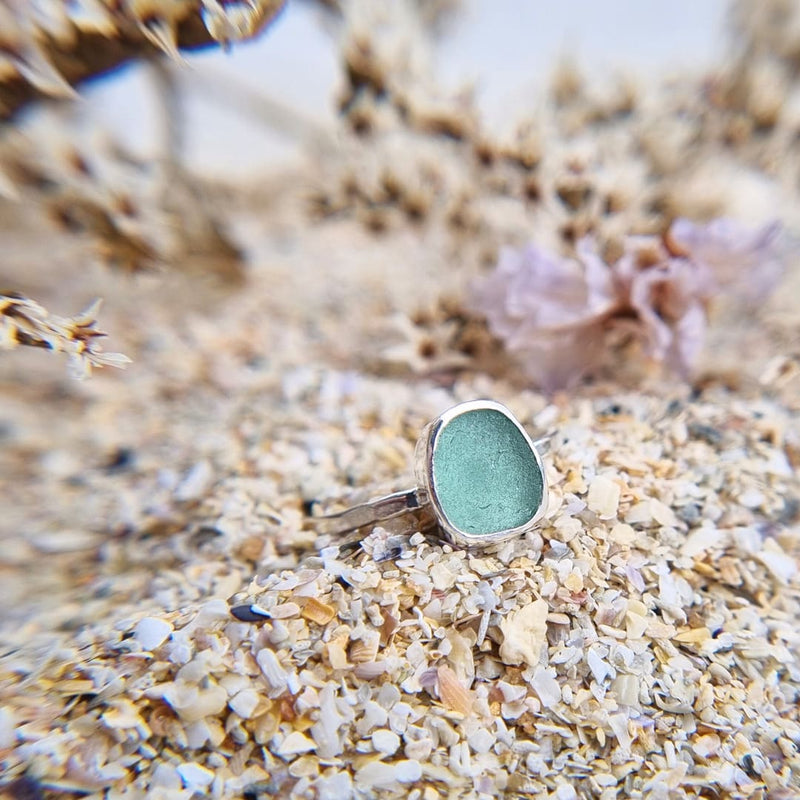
pixel 485 474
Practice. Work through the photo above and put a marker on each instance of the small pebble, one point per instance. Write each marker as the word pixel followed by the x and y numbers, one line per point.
pixel 250 613
pixel 546 686
pixel 408 771
pixel 481 741
pixel 705 433
pixel 707 745
pixel 338 786
pixel 752 498
pixel 600 668
pixel 603 497
pixel 166 776
pixel 152 632
pixel 385 741
pixel 689 513
pixel 294 744
pixel 244 703
pixel 565 791
pixel 375 775
pixel 8 733
pixel 195 776
pixel 196 481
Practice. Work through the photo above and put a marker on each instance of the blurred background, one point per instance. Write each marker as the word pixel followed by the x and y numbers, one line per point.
pixel 506 50
pixel 286 207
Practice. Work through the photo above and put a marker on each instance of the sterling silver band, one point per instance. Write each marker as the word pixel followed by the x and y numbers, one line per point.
pixel 373 511
pixel 382 509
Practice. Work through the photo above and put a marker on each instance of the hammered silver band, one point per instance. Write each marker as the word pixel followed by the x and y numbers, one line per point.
pixel 372 512
pixel 417 508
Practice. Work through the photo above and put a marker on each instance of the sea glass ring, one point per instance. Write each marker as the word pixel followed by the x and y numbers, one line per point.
pixel 480 480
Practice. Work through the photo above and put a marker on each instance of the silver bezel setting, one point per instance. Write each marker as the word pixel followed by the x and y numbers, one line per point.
pixel 426 446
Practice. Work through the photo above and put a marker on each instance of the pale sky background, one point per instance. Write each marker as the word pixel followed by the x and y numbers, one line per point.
pixel 508 48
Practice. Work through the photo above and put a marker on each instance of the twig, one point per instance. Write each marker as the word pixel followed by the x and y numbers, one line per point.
pixel 24 322
pixel 37 62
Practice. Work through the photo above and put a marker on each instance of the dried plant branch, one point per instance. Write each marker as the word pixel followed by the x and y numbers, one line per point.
pixel 24 322
pixel 48 57
pixel 117 246
pixel 204 237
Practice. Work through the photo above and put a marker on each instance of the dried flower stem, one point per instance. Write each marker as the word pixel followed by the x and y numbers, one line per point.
pixel 25 322
pixel 42 63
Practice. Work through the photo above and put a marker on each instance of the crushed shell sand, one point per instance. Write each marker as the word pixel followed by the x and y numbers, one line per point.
pixel 643 642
